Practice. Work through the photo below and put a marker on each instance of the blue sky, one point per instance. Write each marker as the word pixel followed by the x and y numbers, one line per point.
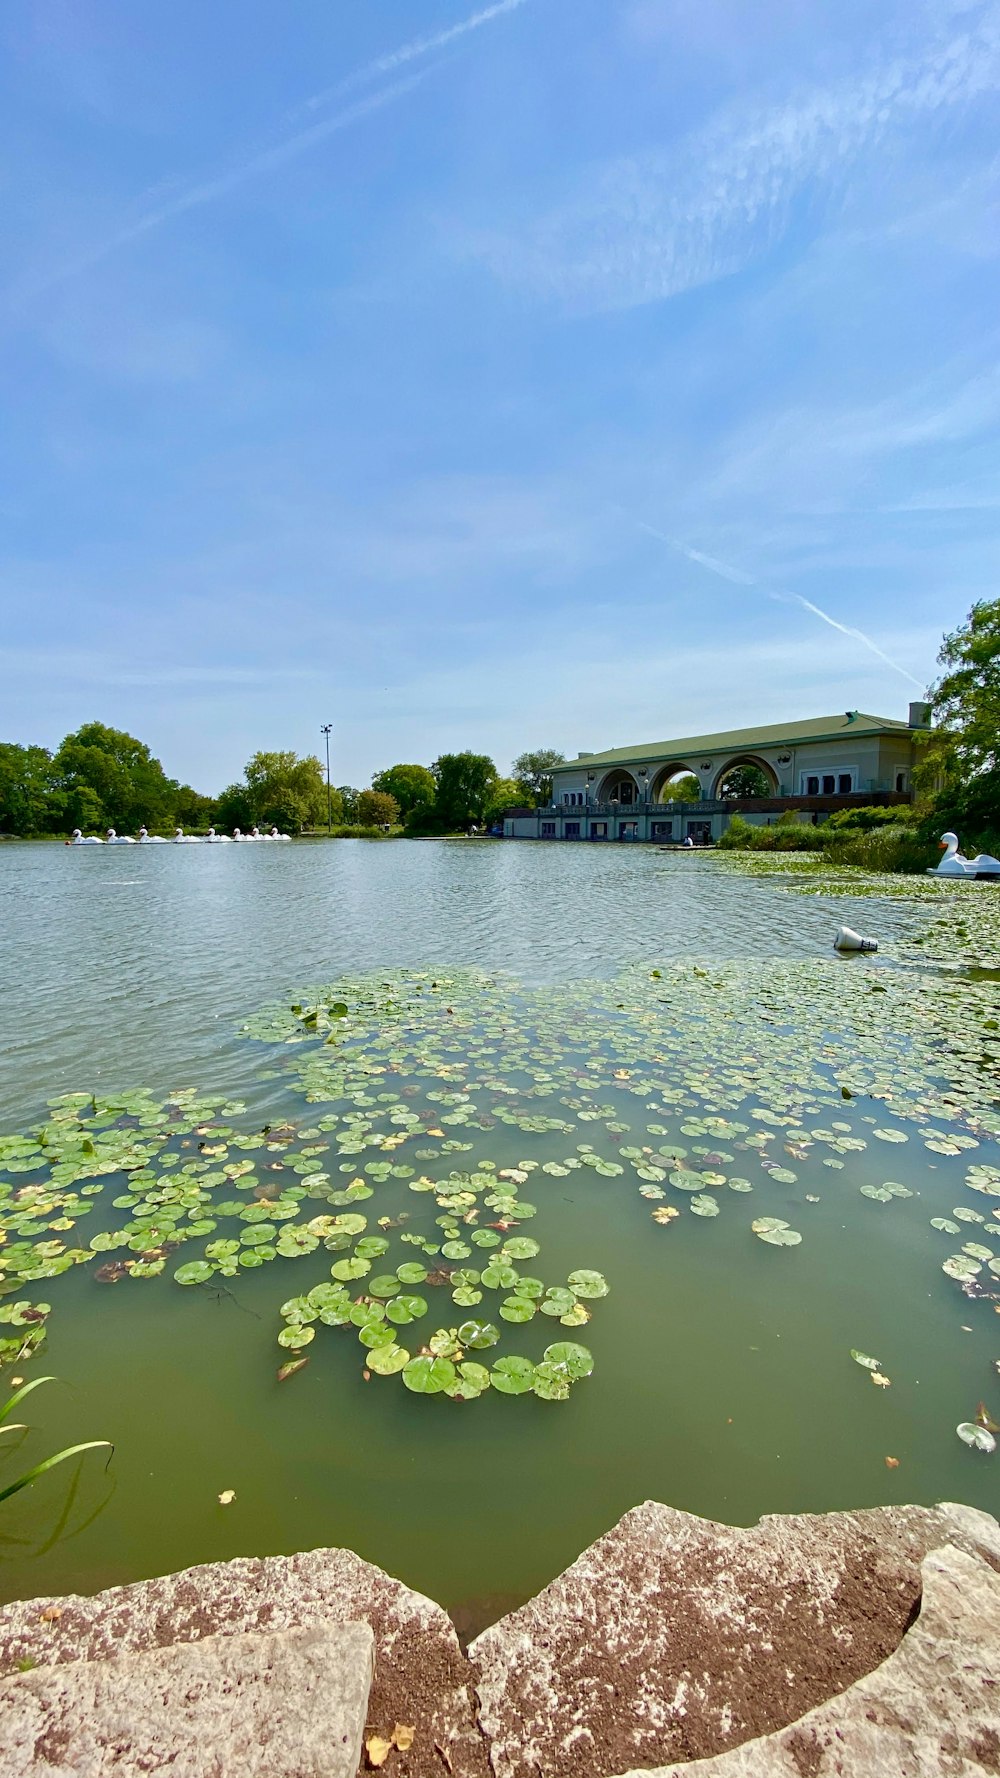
pixel 535 375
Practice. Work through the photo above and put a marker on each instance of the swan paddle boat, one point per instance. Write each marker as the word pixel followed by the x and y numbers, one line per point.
pixel 275 835
pixel 185 839
pixel 115 839
pixel 80 839
pixel 217 839
pixel 151 839
pixel 953 864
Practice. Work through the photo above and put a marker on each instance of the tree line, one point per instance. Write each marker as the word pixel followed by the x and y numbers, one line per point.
pixel 100 777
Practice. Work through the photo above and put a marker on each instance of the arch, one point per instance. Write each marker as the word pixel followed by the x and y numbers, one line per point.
pixel 747 759
pixel 619 785
pixel 662 778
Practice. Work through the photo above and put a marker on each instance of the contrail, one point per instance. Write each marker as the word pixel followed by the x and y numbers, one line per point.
pixel 410 52
pixel 299 142
pixel 726 572
pixel 210 189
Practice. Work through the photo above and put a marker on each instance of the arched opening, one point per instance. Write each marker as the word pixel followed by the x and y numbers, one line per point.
pixel 676 783
pixel 619 787
pixel 745 776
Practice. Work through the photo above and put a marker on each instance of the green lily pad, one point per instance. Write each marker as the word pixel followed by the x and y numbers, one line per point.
pixel 296 1336
pixel 472 1380
pixel 978 1437
pixel 551 1382
pixel 405 1309
pixel 576 1359
pixel 517 1309
pixel 386 1284
pixel 703 1205
pixel 587 1284
pixel 513 1376
pixel 350 1268
pixel 429 1376
pixel 478 1334
pixel 387 1360
pixel 196 1271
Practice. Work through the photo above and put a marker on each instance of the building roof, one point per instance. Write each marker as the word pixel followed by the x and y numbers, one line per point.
pixel 746 740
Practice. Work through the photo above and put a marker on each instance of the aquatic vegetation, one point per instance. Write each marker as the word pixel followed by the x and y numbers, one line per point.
pixel 434 1101
pixel 39 1469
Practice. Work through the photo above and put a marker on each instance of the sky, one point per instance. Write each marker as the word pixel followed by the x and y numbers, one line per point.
pixel 558 373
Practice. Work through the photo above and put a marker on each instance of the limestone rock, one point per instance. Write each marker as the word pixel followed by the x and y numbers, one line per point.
pixel 421 1676
pixel 932 1708
pixel 286 1706
pixel 675 1638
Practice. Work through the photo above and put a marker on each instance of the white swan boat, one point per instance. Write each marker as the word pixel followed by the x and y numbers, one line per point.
pixel 118 839
pixel 151 839
pixel 953 864
pixel 81 839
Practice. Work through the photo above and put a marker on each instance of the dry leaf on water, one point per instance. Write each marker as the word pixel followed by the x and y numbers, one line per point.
pixel 880 1381
pixel 892 1463
pixel 227 1496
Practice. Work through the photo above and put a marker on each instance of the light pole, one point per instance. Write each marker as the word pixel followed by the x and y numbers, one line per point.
pixel 325 730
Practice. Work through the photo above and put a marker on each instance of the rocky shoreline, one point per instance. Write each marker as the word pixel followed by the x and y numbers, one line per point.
pixel 848 1643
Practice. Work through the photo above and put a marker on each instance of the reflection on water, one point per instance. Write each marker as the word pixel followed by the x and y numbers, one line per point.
pixel 723 1381
pixel 116 974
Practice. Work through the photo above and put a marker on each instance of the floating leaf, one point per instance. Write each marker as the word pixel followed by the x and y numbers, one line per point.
pixel 869 1364
pixel 387 1360
pixel 703 1205
pixel 587 1284
pixel 976 1436
pixel 196 1271
pixel 428 1376
pixel 513 1375
pixel 576 1359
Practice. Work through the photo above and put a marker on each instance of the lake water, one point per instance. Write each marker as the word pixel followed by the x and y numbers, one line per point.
pixel 637 993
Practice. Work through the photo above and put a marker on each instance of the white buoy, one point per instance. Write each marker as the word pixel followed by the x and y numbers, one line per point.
pixel 849 940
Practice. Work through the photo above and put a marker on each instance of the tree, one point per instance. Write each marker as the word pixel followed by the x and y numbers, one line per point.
pixel 28 801
pixel 348 803
pixel 286 791
pixel 376 808
pixel 533 772
pixel 960 756
pixel 412 786
pixel 506 794
pixel 685 789
pixel 464 784
pixel 746 780
pixel 108 778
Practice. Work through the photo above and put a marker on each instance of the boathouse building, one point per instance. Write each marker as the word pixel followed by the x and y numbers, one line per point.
pixel 813 767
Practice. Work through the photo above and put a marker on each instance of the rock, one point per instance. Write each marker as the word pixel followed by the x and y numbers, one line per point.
pixel 421 1677
pixel 932 1707
pixel 285 1706
pixel 674 1638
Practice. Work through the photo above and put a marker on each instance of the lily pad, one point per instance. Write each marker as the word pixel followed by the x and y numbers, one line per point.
pixel 196 1271
pixel 577 1361
pixel 587 1284
pixel 429 1376
pixel 513 1375
pixel 978 1437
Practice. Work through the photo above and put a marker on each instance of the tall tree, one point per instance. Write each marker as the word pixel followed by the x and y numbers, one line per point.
pixel 506 794
pixel 376 808
pixel 286 791
pixel 960 755
pixel 29 802
pixel 533 772
pixel 464 783
pixel 412 786
pixel 110 778
pixel 744 781
pixel 683 789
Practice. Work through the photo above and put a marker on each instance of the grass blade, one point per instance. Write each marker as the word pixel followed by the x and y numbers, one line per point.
pixel 19 1395
pixel 31 1475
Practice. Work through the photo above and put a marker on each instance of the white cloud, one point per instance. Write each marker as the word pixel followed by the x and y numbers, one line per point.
pixel 656 224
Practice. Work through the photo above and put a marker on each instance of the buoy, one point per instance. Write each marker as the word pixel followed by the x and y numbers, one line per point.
pixel 849 940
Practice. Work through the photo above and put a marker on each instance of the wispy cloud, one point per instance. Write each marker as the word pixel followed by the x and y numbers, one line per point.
pixel 653 225
pixel 737 576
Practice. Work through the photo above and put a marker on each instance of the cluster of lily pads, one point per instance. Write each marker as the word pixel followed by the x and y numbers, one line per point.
pixel 694 1085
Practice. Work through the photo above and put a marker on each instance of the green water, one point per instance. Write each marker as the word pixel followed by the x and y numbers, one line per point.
pixel 722 1383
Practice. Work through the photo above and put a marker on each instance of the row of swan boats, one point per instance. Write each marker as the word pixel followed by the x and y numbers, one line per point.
pixel 211 838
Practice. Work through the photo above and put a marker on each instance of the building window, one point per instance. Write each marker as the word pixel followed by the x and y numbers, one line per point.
pixel 572 830
pixel 900 780
pixel 845 784
pixel 628 830
pixel 573 798
pixel 829 784
pixel 598 830
pixel 663 830
pixel 548 830
pixel 812 786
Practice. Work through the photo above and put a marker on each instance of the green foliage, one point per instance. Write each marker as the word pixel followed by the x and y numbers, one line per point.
pixel 960 757
pixel 39 1469
pixel 684 789
pixel 507 793
pixel 465 784
pixel 108 778
pixel 746 780
pixel 348 803
pixel 377 808
pixel 892 847
pixel 785 835
pixel 532 773
pixel 29 802
pixel 412 786
pixel 866 819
